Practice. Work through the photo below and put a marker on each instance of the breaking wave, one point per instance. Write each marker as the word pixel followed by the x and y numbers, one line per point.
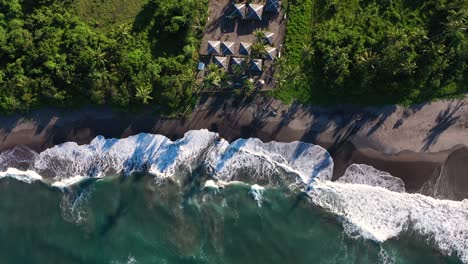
pixel 379 214
pixel 268 164
pixel 371 204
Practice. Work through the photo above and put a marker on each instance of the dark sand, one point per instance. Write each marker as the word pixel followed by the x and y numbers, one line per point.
pixel 410 143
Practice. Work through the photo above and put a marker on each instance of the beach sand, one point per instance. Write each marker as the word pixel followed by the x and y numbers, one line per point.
pixel 411 143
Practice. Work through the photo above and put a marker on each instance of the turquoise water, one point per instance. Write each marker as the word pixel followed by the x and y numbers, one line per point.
pixel 134 220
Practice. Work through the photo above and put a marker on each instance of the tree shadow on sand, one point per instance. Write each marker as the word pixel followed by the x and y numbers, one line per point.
pixel 444 120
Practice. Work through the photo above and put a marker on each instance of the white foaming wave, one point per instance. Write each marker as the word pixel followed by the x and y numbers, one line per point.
pixel 248 160
pixel 23 176
pixel 368 212
pixel 379 214
pixel 306 161
pixel 144 152
pixel 210 184
pixel 368 175
pixel 161 157
pixel 257 193
pixel 62 184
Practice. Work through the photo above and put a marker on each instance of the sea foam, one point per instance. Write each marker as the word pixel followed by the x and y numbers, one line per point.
pixel 368 175
pixel 27 176
pixel 379 214
pixel 371 204
pixel 249 160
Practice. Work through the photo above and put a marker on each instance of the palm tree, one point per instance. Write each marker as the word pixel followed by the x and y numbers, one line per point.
pixel 214 76
pixel 457 20
pixel 212 67
pixel 143 92
pixel 123 34
pixel 259 35
pixel 408 67
pixel 307 50
pixel 368 57
pixel 100 57
pixel 248 87
pixel 189 79
pixel 258 50
pixel 237 71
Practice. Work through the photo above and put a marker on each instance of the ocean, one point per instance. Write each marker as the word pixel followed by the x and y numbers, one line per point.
pixel 147 199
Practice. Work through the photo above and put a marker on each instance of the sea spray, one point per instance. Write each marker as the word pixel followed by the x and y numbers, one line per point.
pixel 257 193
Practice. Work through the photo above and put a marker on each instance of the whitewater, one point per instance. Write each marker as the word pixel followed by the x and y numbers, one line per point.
pixel 370 204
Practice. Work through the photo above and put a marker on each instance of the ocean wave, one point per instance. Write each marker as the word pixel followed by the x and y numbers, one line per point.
pixel 368 175
pixel 372 204
pixel 379 214
pixel 27 176
pixel 268 164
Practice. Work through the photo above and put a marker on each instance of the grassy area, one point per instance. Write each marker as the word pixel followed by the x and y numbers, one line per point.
pixel 374 52
pixel 103 14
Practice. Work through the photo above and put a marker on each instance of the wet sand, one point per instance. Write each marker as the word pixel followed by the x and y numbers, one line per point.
pixel 411 143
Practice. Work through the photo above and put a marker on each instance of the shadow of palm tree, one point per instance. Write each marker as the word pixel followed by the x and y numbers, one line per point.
pixel 381 119
pixel 444 120
pixel 407 113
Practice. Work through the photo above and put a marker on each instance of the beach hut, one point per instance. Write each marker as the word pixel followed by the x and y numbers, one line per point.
pixel 221 61
pixel 255 66
pixel 255 12
pixel 271 53
pixel 272 6
pixel 237 61
pixel 244 48
pixel 239 10
pixel 214 47
pixel 269 37
pixel 227 47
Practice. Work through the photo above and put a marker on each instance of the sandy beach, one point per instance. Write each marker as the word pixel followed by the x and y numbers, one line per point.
pixel 411 143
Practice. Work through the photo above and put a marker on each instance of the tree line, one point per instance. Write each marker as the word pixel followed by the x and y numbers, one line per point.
pixel 49 56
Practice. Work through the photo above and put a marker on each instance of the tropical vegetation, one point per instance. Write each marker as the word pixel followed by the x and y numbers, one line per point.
pixel 374 51
pixel 53 52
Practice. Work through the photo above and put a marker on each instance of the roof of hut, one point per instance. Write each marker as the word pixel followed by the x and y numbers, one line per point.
pixel 255 12
pixel 213 47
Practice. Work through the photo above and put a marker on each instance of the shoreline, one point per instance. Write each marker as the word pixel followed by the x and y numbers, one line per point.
pixel 410 143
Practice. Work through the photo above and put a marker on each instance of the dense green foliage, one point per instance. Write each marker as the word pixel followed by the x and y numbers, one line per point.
pixel 49 56
pixel 374 51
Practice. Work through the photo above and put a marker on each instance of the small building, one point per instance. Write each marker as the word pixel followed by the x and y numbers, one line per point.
pixel 221 62
pixel 227 47
pixel 270 54
pixel 269 37
pixel 245 48
pixel 255 66
pixel 272 6
pixel 214 47
pixel 255 12
pixel 239 10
